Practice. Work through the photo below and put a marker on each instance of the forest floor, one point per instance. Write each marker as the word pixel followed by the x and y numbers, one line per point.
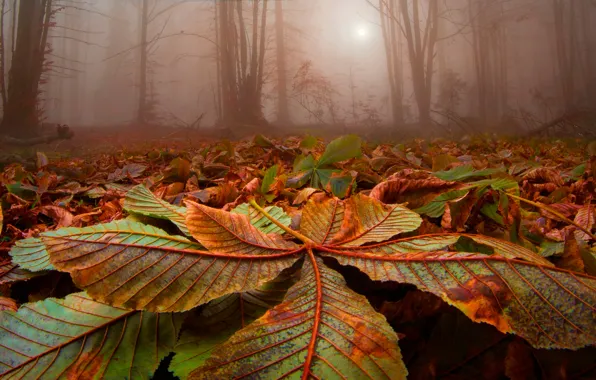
pixel 537 194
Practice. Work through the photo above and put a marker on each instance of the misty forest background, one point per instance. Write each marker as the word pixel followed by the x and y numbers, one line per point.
pixel 511 66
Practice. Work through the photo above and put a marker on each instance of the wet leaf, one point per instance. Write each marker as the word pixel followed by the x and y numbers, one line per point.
pixel 341 149
pixel 326 331
pixel 368 220
pixel 140 200
pixel 10 272
pixel 260 221
pixel 463 172
pixel 137 266
pixel 548 307
pixel 436 207
pixel 269 179
pixel 77 337
pixel 220 319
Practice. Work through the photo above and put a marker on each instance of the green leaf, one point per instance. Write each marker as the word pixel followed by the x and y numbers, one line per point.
pixel 220 319
pixel 299 179
pixel 306 163
pixel 263 223
pixel 341 149
pixel 22 191
pixel 503 183
pixel 137 266
pixel 321 177
pixel 549 307
pixel 462 172
pixel 30 254
pixel 268 179
pixel 340 185
pixel 551 248
pixel 78 337
pixel 309 142
pixel 263 141
pixel 436 207
pixel 140 200
pixel 491 210
pixel 578 172
pixel 321 330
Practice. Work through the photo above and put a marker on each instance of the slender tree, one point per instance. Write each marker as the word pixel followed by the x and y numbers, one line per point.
pixel 283 112
pixel 566 38
pixel 242 61
pixel 489 44
pixel 20 113
pixel 142 107
pixel 389 14
pixel 421 35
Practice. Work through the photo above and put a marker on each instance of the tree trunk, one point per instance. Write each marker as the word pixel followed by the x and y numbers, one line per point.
pixel 241 82
pixel 283 112
pixel 142 109
pixel 20 115
pixel 421 51
pixel 391 42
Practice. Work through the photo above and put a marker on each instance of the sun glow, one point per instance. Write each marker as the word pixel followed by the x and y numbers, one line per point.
pixel 361 32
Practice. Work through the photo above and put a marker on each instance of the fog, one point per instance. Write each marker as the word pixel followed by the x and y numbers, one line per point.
pixel 459 64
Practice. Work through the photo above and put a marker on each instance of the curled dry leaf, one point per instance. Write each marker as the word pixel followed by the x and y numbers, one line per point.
pixel 585 217
pixel 10 272
pixel 61 216
pixel 544 175
pixel 416 192
pixel 7 304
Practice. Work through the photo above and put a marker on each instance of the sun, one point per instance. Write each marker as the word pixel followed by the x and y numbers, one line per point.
pixel 361 32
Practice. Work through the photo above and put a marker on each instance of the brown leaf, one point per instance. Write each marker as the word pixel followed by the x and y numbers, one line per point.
pixel 252 186
pixel 61 216
pixel 544 175
pixel 571 258
pixel 416 192
pixel 586 217
pixel 7 304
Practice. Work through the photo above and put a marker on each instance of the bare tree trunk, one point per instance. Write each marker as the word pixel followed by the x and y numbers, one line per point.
pixel 142 108
pixel 2 56
pixel 20 115
pixel 564 49
pixel 261 63
pixel 421 51
pixel 489 44
pixel 241 83
pixel 391 42
pixel 74 99
pixel 218 57
pixel 283 112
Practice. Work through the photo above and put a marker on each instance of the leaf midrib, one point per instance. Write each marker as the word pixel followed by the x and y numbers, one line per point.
pixel 74 339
